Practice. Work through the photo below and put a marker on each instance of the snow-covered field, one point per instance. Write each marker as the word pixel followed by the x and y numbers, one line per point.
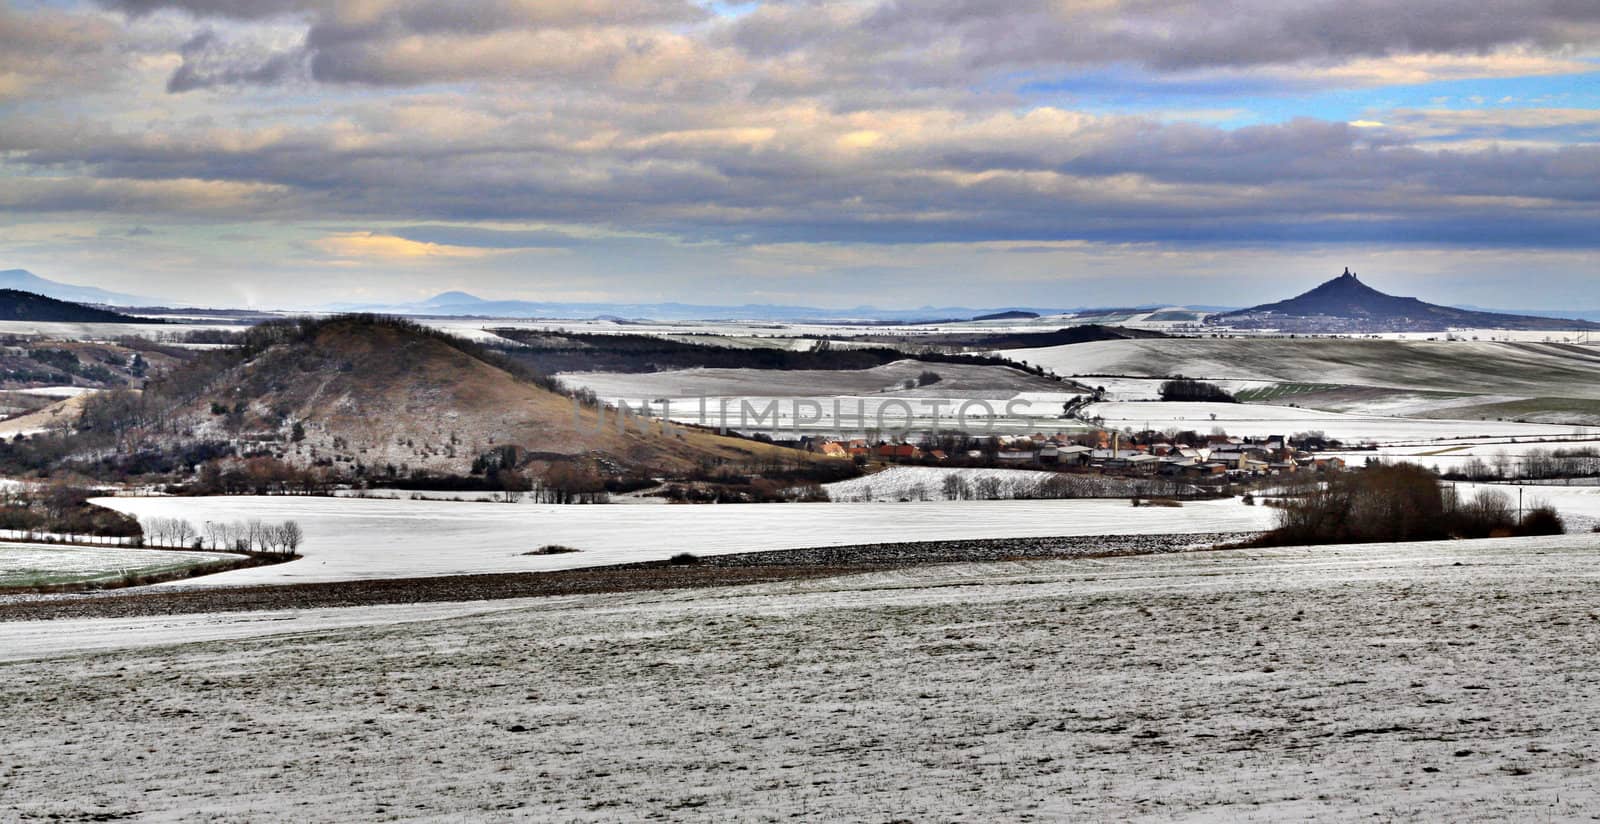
pixel 1409 404
pixel 107 331
pixel 1448 681
pixel 927 483
pixel 57 415
pixel 1248 419
pixel 355 539
pixel 1482 447
pixel 1512 335
pixel 1471 367
pixel 1149 389
pixel 55 391
pixel 26 565
pixel 469 495
pixel 956 381
pixel 1455 456
pixel 780 332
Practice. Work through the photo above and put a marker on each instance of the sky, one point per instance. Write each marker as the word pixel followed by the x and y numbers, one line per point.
pixel 1052 153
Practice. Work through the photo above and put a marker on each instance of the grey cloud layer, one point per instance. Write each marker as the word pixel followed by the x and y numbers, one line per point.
pixel 414 42
pixel 47 52
pixel 1174 34
pixel 926 175
pixel 798 122
pixel 800 46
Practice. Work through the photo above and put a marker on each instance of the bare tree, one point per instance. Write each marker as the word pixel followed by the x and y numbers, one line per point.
pixel 955 489
pixel 183 533
pixel 255 533
pixel 292 535
pixel 157 530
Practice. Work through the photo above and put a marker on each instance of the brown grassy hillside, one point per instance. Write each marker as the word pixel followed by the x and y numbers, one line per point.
pixel 383 392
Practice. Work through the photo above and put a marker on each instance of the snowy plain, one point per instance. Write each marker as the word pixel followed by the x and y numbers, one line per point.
pixel 955 381
pixel 913 483
pixel 1246 419
pixel 1441 681
pixel 1469 367
pixel 360 539
pixel 1444 458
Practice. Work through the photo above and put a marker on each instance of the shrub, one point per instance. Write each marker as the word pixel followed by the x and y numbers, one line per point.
pixel 1184 389
pixel 684 559
pixel 807 493
pixel 1542 520
pixel 551 549
pixel 1487 514
pixel 1390 502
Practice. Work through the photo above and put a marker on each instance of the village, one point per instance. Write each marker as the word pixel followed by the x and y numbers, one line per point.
pixel 1216 458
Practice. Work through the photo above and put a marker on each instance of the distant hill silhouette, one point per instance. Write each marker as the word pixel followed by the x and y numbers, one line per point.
pixel 26 281
pixel 1346 304
pixel 1090 333
pixel 1015 314
pixel 19 305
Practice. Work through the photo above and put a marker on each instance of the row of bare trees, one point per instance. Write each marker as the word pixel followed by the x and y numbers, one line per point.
pixel 994 487
pixel 1536 464
pixel 254 535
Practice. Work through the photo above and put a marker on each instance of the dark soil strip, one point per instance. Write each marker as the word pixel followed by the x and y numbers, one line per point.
pixel 980 549
pixel 716 571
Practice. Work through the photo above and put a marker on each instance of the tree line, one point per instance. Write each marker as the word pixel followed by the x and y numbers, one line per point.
pixel 1058 486
pixel 252 536
pixel 63 511
pixel 1537 464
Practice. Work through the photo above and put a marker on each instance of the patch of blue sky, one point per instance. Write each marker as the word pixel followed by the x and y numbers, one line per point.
pixel 1233 100
pixel 730 10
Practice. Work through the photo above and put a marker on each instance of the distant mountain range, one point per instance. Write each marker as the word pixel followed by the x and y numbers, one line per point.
pixel 1563 314
pixel 26 281
pixel 462 304
pixel 457 304
pixel 1339 298
pixel 1345 304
